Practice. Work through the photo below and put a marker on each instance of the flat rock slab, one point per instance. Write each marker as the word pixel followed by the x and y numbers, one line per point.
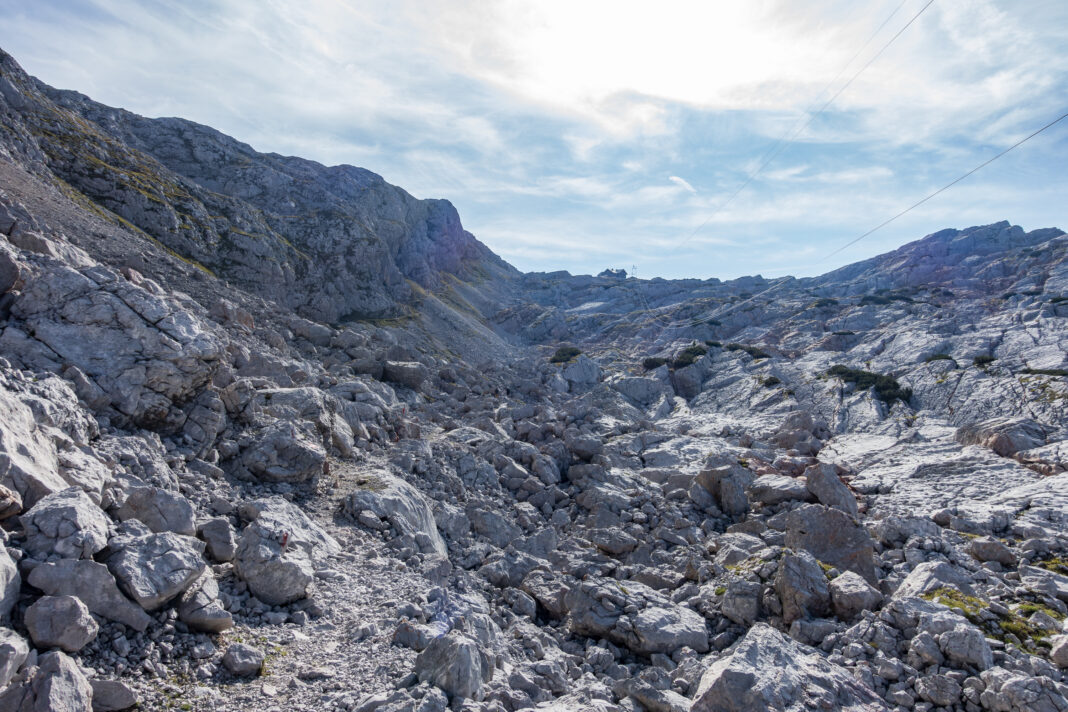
pixel 155 568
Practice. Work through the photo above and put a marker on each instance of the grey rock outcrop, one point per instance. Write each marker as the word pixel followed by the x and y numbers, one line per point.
pixel 397 502
pixel 153 569
pixel 768 672
pixel 13 652
pixel 802 587
pixel 65 523
pixel 57 685
pixel 456 664
pixel 94 585
pixel 833 537
pixel 60 622
pixel 851 595
pixel 159 510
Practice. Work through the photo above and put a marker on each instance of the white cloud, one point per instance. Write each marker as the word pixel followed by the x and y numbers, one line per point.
pixel 683 183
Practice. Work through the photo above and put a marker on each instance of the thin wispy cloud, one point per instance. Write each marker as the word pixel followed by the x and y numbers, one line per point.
pixel 586 135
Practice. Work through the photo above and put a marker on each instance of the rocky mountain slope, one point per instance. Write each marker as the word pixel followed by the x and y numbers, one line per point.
pixel 277 436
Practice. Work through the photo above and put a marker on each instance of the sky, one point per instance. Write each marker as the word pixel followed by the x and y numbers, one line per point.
pixel 683 139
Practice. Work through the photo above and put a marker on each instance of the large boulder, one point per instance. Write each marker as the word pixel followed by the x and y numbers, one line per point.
pixel 13 652
pixel 833 537
pixel 410 374
pixel 94 585
pixel 283 451
pixel 57 685
pixel 10 583
pixel 776 489
pixel 728 486
pixel 802 587
pixel 28 460
pixel 392 499
pixel 768 672
pixel 851 594
pixel 456 664
pixel 932 575
pixel 159 509
pixel 66 523
pixel 581 373
pixel 278 550
pixel 1005 436
pixel 60 622
pixel 154 569
pixel 827 487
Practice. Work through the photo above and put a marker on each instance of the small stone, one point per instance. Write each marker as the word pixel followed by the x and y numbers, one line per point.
pixel 242 660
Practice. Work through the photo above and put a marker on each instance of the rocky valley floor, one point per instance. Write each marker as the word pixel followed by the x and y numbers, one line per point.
pixel 345 458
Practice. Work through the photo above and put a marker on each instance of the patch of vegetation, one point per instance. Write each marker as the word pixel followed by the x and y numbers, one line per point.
pixel 714 344
pixel 824 302
pixel 770 381
pixel 565 354
pixel 1032 292
pixel 720 590
pixel 371 483
pixel 968 606
pixel 1045 372
pixel 983 360
pixel 653 363
pixel 844 333
pixel 887 389
pixel 1057 564
pixel 1029 608
pixel 753 351
pixel 1008 295
pixel 689 355
pixel 940 357
pixel 713 322
pixel 1058 300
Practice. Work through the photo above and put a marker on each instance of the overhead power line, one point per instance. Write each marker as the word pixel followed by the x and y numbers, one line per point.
pixel 771 155
pixel 984 164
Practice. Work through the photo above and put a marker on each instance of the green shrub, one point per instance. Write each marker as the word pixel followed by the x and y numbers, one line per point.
pixel 983 360
pixel 713 322
pixel 653 362
pixel 753 351
pixel 770 381
pixel 1058 300
pixel 887 389
pixel 715 344
pixel 940 357
pixel 844 333
pixel 565 354
pixel 824 302
pixel 1008 295
pixel 689 355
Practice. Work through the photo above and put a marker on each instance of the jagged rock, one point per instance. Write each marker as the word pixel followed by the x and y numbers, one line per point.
pixel 399 503
pixel 894 531
pixel 665 629
pixel 833 537
pixel 643 391
pixel 1005 436
pixel 218 535
pixel 28 461
pixel 741 601
pixel 932 575
pixel 732 548
pixel 728 486
pixel 1058 652
pixel 284 451
pixel 66 523
pixel 688 381
pixel 94 585
pixel 154 569
pixel 10 503
pixel 802 587
pixel 277 550
pixel 159 510
pixel 199 606
pixel 57 685
pixel 851 595
pixel 776 489
pixel 939 690
pixel 13 652
pixel 10 582
pixel 582 372
pixel 1045 582
pixel 410 374
pixel 965 644
pixel 613 541
pixel 827 487
pixel 112 695
pixel 60 622
pixel 1006 691
pixel 456 664
pixel 768 672
pixel 242 660
pixel 990 549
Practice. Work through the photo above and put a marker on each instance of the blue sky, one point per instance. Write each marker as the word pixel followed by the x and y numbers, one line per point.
pixel 583 135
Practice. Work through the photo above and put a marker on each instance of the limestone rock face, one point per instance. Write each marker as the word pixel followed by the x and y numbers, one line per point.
pixel 1005 436
pixel 57 685
pixel 277 551
pixel 159 510
pixel 60 622
pixel 768 672
pixel 155 568
pixel 28 461
pixel 65 523
pixel 456 664
pixel 833 537
pixel 404 507
pixel 94 585
pixel 802 587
